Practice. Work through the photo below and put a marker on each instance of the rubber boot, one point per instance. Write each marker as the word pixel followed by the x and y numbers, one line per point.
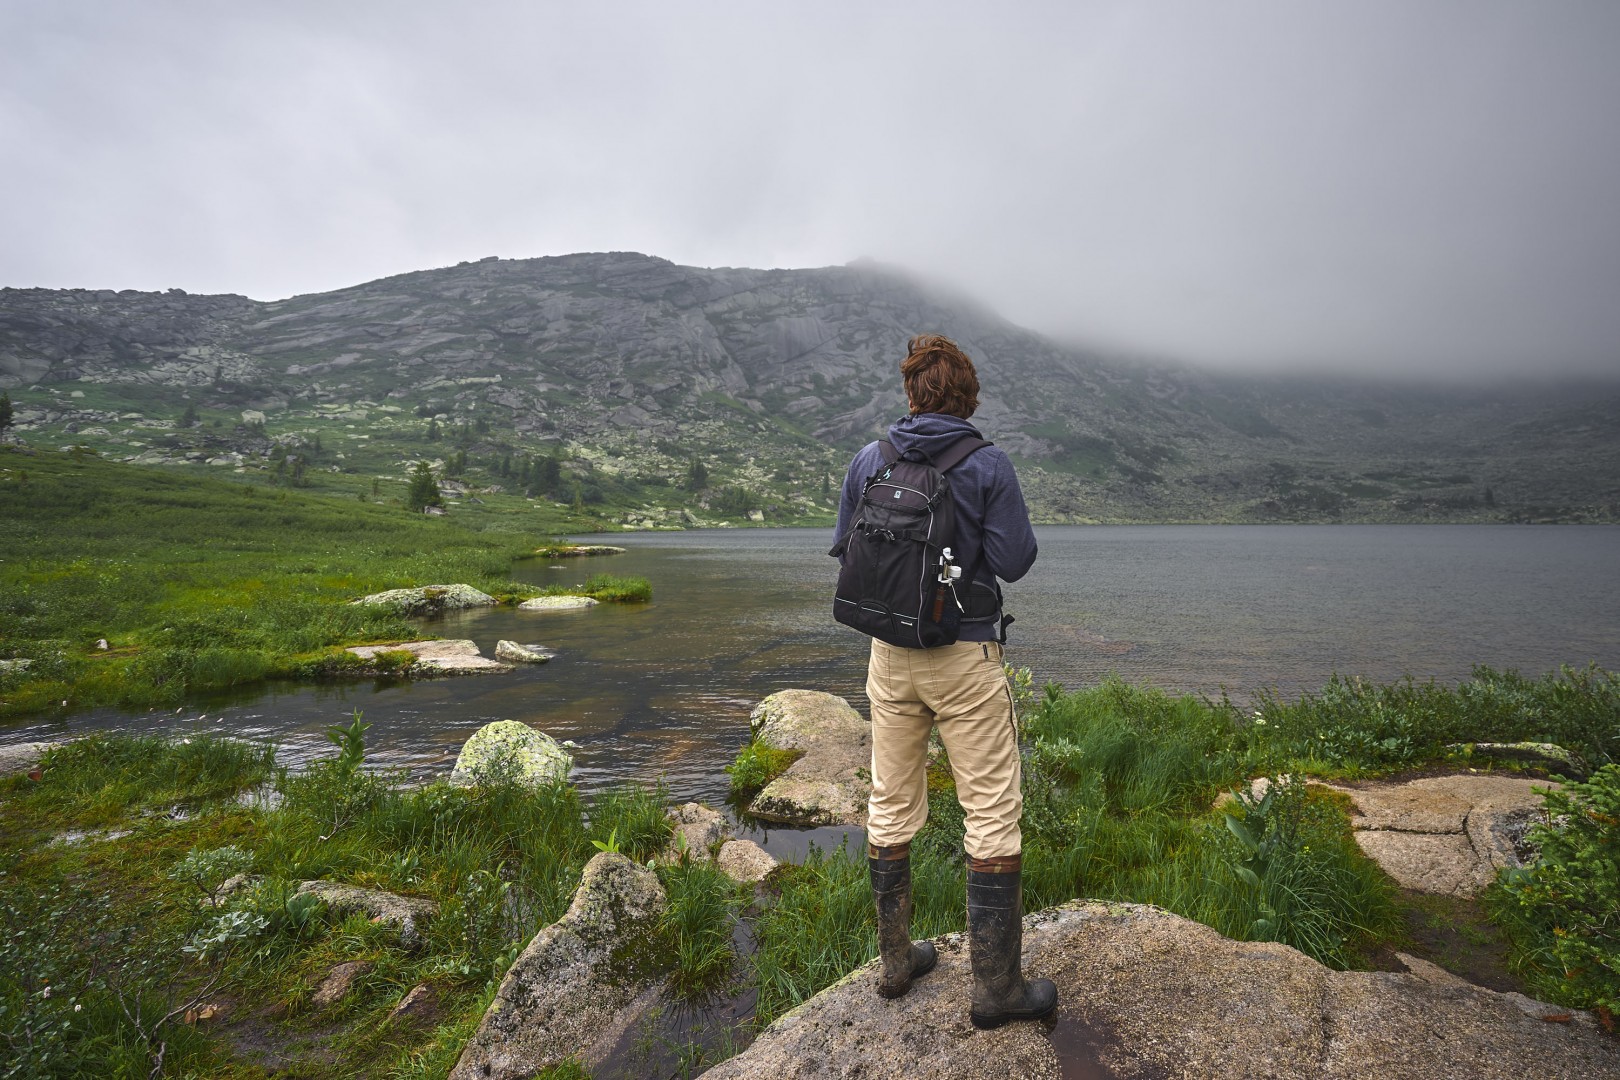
pixel 995 922
pixel 903 959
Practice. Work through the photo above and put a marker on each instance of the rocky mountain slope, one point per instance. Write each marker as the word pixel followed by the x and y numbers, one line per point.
pixel 633 372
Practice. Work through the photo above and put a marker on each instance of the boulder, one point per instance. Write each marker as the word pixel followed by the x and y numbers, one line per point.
pixel 335 987
pixel 513 653
pixel 23 757
pixel 744 861
pixel 558 603
pixel 573 991
pixel 446 656
pixel 701 828
pixel 511 749
pixel 15 667
pixel 1144 993
pixel 1548 756
pixel 830 783
pixel 429 599
pixel 407 913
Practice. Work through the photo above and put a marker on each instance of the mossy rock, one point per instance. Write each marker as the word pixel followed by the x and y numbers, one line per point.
pixel 511 750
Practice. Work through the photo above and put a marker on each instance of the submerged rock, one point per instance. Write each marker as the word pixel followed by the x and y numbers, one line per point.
pixel 405 912
pixel 511 750
pixel 1144 993
pixel 429 599
pixel 514 653
pixel 829 784
pixel 558 603
pixel 573 991
pixel 446 656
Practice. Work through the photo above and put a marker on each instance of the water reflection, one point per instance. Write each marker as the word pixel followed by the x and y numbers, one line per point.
pixel 664 689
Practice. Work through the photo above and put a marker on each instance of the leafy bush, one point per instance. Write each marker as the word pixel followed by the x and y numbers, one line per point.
pixel 1564 910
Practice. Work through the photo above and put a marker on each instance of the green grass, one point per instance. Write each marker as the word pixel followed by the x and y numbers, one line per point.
pixel 756 766
pixel 120 920
pixel 606 588
pixel 199 584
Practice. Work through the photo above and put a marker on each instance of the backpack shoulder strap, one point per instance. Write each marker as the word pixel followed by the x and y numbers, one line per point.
pixel 890 454
pixel 958 452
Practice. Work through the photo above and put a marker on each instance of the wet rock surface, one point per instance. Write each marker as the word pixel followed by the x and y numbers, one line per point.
pixel 510 750
pixel 558 603
pixel 1147 994
pixel 830 783
pixel 448 656
pixel 1445 834
pixel 512 652
pixel 580 983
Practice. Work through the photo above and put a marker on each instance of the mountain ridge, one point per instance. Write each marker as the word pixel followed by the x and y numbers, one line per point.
pixel 631 367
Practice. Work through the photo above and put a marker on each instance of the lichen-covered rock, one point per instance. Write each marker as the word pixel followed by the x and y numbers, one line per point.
pixel 446 656
pixel 408 913
pixel 1144 993
pixel 429 599
pixel 511 750
pixel 830 783
pixel 744 861
pixel 558 603
pixel 568 993
pixel 514 653
pixel 695 829
pixel 15 667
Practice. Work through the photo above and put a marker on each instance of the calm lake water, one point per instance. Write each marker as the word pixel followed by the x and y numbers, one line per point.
pixel 664 689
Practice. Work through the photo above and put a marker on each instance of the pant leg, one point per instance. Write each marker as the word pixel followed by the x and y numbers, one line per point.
pixel 967 690
pixel 901 722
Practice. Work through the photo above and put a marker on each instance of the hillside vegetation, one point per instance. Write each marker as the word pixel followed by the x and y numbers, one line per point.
pixel 660 395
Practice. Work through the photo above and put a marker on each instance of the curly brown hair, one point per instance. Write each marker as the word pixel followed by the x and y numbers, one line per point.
pixel 939 377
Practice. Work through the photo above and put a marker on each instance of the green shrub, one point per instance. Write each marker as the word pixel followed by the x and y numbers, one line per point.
pixel 697 925
pixel 1563 911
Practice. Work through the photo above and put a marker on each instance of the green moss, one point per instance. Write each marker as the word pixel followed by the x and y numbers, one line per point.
pixel 757 765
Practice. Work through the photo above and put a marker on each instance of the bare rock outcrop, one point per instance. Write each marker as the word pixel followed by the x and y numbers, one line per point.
pixel 830 782
pixel 429 599
pixel 1144 993
pixel 447 656
pixel 572 991
pixel 23 757
pixel 408 913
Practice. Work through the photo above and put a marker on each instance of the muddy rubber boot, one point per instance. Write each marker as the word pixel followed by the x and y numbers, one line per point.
pixel 903 959
pixel 995 922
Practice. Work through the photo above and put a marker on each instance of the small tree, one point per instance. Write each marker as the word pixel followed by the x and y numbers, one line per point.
pixel 6 414
pixel 697 477
pixel 550 475
pixel 424 490
pixel 189 417
pixel 433 430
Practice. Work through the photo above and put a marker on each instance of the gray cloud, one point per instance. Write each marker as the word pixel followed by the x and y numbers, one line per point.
pixel 1371 187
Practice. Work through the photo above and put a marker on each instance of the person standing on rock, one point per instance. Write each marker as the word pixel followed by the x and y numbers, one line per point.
pixel 959 687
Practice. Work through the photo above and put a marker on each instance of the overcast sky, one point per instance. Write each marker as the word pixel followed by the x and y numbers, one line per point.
pixel 1402 187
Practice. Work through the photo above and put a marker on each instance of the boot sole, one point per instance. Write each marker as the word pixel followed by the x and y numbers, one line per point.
pixel 990 1023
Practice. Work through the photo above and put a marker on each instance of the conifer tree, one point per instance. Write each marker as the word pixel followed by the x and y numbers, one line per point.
pixel 6 414
pixel 697 477
pixel 424 490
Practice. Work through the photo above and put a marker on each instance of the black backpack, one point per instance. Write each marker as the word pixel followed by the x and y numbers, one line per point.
pixel 900 582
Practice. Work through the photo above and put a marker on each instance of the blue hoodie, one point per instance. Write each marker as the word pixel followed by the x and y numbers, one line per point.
pixel 990 514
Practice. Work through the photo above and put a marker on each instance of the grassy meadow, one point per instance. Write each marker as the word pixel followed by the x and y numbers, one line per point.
pixel 125 945
pixel 199 583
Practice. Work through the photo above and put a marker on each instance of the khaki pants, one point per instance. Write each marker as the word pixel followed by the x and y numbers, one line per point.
pixel 962 689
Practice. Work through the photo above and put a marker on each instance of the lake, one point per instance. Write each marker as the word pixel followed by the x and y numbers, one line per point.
pixel 664 689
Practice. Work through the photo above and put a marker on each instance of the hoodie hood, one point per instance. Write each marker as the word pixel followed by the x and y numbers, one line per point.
pixel 932 433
